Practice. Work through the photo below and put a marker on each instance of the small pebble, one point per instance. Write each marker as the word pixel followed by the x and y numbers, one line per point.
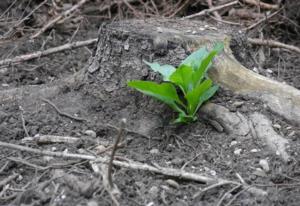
pixel 80 151
pixel 100 149
pixel 233 143
pixel 154 191
pixel 159 29
pixel 165 187
pixel 92 203
pixel 252 177
pixel 277 126
pixel 172 183
pixel 48 158
pixel 269 71
pixel 90 133
pixel 177 161
pixel 254 150
pixel 255 70
pixel 238 104
pixel 5 85
pixel 289 128
pixel 264 164
pixel 3 70
pixel 19 178
pixel 259 172
pixel 213 172
pixel 126 46
pixel 237 151
pixel 291 134
pixel 154 151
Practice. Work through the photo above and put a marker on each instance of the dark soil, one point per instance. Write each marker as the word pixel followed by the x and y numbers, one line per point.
pixel 56 181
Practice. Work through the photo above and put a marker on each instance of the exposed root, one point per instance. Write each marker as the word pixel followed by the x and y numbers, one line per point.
pixel 264 131
pixel 233 123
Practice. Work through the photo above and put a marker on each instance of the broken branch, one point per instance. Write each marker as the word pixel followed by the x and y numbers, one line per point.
pixel 37 54
pixel 261 4
pixel 213 9
pixel 273 43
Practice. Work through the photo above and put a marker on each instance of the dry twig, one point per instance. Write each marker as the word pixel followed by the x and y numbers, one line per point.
pixel 23 122
pixel 273 43
pixel 58 18
pixel 210 187
pixel 11 30
pixel 177 173
pixel 37 54
pixel 61 112
pixel 262 20
pixel 207 11
pixel 24 162
pixel 44 139
pixel 261 4
pixel 113 152
pixel 7 180
pixel 215 13
pixel 227 194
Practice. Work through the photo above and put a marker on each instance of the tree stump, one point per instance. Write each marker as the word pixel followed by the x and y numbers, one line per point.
pixel 118 58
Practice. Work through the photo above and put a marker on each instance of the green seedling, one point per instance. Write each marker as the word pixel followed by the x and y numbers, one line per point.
pixel 191 79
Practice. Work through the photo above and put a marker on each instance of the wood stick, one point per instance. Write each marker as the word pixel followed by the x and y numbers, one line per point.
pixel 37 54
pixel 273 43
pixel 262 20
pixel 45 139
pixel 113 152
pixel 207 11
pixel 262 5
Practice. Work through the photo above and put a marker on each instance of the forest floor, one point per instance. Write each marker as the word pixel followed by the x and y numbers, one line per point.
pixel 31 179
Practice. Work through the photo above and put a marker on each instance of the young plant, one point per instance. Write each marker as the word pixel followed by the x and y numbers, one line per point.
pixel 190 77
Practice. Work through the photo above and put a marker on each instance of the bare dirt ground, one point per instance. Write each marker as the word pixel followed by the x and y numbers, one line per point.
pixel 32 179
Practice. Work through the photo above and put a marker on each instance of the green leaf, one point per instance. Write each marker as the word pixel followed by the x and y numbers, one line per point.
pixel 165 70
pixel 194 59
pixel 195 97
pixel 206 63
pixel 209 93
pixel 164 92
pixel 183 77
